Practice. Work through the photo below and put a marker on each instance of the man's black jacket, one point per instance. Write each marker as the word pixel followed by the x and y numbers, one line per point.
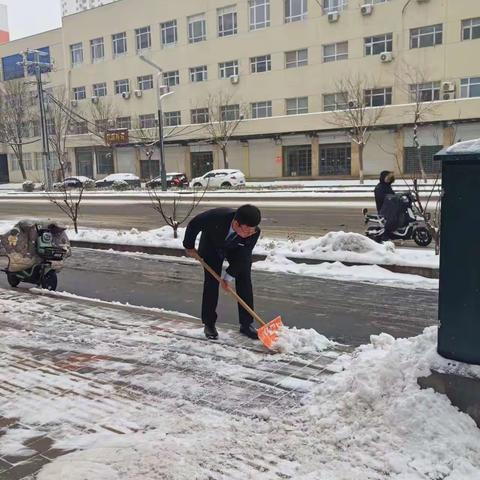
pixel 215 225
pixel 382 190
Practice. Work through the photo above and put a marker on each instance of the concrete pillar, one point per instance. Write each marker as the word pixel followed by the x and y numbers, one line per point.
pixel 315 156
pixel 399 148
pixel 355 164
pixel 246 158
pixel 187 165
pixel 448 135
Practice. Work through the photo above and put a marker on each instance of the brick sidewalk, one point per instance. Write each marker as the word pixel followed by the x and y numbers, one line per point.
pixel 72 368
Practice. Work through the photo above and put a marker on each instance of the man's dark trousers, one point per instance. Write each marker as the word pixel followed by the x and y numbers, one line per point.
pixel 243 282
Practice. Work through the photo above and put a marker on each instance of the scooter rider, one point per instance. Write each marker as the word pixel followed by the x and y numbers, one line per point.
pixel 384 188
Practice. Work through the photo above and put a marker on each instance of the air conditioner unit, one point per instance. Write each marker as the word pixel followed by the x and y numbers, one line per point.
pixel 333 17
pixel 73 103
pixel 125 95
pixel 352 104
pixel 94 99
pixel 449 96
pixel 235 79
pixel 386 57
pixel 448 86
pixel 138 93
pixel 366 9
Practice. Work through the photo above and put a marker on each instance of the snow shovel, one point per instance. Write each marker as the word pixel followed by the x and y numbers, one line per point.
pixel 268 332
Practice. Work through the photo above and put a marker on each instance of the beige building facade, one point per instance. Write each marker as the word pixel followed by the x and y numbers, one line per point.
pixel 281 64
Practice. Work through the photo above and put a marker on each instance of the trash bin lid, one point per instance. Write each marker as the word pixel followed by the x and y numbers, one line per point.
pixel 468 149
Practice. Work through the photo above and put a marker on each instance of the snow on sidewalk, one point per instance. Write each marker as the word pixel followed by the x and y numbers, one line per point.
pixel 134 395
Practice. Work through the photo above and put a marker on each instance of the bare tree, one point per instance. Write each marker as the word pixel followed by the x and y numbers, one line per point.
pixel 171 214
pixel 103 114
pixel 16 114
pixel 60 122
pixel 224 116
pixel 413 81
pixel 354 112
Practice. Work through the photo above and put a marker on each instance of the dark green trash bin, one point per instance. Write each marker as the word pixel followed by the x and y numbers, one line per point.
pixel 459 300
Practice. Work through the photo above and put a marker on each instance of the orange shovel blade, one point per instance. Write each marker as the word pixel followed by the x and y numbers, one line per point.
pixel 268 333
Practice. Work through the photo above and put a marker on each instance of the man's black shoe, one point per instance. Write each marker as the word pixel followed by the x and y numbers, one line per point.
pixel 249 331
pixel 210 332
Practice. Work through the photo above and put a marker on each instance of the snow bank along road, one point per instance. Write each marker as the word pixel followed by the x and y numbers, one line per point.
pixel 97 392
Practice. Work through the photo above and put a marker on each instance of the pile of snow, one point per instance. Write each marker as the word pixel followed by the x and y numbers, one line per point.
pixel 372 420
pixel 338 271
pixel 301 340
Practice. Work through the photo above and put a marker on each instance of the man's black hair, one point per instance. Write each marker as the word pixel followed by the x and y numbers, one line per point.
pixel 248 215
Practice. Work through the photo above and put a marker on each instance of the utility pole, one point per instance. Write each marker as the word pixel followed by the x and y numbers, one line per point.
pixel 162 92
pixel 37 66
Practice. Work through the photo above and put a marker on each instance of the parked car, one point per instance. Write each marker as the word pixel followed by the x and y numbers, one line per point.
pixel 72 182
pixel 220 178
pixel 175 179
pixel 129 178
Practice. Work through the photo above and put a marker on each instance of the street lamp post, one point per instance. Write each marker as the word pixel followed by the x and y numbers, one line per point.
pixel 162 92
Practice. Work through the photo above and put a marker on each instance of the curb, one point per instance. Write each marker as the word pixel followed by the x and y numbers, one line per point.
pixel 180 252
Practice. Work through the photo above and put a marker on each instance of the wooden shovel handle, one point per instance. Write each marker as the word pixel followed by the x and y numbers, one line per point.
pixel 240 300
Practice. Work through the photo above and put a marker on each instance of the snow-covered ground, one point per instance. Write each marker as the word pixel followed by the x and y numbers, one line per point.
pixel 164 404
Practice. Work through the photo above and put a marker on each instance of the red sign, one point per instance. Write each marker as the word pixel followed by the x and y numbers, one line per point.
pixel 118 136
pixel 278 160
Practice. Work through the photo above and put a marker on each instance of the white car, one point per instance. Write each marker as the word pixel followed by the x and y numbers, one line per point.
pixel 130 178
pixel 72 182
pixel 220 178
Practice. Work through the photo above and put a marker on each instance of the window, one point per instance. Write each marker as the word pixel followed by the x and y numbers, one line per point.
pixel 99 89
pixel 378 44
pixel 199 115
pixel 335 101
pixel 79 93
pixel 259 64
pixel 296 58
pixel 171 78
pixel 334 5
pixel 122 86
pixel 172 119
pixel 335 51
pixel 50 124
pixel 78 128
pixel 198 74
pixel 143 38
pixel 197 28
pixel 297 161
pixel 145 82
pixel 119 41
pixel 426 36
pixel 295 106
pixel 228 69
pixel 411 159
pixel 76 54
pixel 295 10
pixel 378 97
pixel 259 14
pixel 425 92
pixel 227 21
pixel 471 28
pixel 27 158
pixel 470 87
pixel 261 109
pixel 147 121
pixel 36 128
pixel 97 49
pixel 104 161
pixel 335 159
pixel 169 33
pixel 229 113
pixel 124 122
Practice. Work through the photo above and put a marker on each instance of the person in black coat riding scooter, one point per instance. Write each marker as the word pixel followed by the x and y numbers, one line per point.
pixel 384 188
pixel 226 234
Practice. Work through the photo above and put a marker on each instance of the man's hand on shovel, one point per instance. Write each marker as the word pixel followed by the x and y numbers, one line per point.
pixel 225 284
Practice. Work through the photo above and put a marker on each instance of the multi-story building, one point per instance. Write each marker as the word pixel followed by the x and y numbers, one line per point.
pixel 4 31
pixel 287 62
pixel 75 6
